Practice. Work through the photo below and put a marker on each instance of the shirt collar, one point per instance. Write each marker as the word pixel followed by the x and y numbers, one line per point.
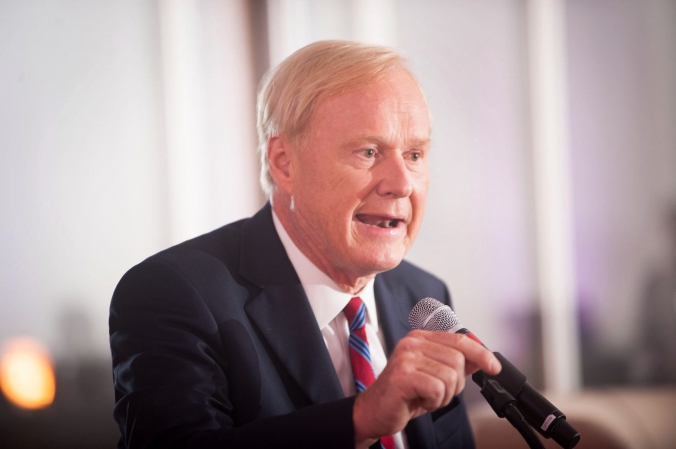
pixel 326 298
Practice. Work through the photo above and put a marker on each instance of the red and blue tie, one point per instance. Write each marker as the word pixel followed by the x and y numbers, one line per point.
pixel 360 355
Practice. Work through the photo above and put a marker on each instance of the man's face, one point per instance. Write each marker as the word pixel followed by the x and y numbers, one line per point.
pixel 360 177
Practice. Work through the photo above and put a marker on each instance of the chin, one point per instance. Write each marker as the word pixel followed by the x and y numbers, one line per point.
pixel 384 261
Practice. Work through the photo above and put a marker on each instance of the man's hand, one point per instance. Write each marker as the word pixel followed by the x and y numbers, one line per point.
pixel 425 371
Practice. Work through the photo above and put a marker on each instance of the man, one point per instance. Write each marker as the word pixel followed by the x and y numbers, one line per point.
pixel 260 333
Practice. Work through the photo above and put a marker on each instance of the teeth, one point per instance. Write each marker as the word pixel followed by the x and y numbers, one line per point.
pixel 380 223
pixel 387 224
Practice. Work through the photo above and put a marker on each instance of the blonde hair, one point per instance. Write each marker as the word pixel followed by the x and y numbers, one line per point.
pixel 289 93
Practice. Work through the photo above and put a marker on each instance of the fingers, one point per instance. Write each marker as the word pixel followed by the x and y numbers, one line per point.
pixel 444 359
pixel 425 371
pixel 476 356
pixel 445 364
pixel 439 384
pixel 432 380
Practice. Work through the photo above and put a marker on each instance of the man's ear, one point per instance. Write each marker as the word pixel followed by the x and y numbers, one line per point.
pixel 280 163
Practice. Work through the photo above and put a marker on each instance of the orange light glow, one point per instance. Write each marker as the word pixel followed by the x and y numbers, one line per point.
pixel 26 374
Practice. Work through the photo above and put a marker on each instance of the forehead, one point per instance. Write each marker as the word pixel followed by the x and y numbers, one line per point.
pixel 392 107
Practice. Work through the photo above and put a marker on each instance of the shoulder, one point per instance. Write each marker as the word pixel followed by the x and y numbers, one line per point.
pixel 220 247
pixel 204 267
pixel 217 250
pixel 183 276
pixel 231 261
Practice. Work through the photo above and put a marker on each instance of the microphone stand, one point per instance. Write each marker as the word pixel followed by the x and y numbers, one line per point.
pixel 504 405
pixel 545 418
pixel 508 392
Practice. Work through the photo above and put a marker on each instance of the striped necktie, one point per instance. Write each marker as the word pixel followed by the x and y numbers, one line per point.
pixel 360 355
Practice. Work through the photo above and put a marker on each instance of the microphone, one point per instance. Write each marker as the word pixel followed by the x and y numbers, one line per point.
pixel 432 315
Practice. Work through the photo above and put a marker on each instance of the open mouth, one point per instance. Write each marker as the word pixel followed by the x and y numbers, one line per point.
pixel 379 222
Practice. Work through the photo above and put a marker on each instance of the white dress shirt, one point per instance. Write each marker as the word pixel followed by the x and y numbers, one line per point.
pixel 327 301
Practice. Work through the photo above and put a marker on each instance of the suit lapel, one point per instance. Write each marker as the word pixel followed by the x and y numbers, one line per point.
pixel 393 308
pixel 282 312
pixel 392 315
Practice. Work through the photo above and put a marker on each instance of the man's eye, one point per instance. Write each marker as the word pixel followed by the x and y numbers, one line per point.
pixel 370 152
pixel 415 156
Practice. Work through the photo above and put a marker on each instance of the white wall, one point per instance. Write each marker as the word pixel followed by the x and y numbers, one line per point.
pixel 209 99
pixel 622 73
pixel 478 233
pixel 85 190
pixel 81 144
pixel 296 23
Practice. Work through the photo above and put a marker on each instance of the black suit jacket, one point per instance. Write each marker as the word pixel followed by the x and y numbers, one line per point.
pixel 214 344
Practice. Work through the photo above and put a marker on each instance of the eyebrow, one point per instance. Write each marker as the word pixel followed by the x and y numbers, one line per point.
pixel 374 139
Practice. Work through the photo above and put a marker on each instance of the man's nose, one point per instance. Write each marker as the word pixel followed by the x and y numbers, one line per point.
pixel 395 177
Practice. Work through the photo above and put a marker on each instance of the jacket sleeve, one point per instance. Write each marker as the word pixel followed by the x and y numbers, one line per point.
pixel 171 387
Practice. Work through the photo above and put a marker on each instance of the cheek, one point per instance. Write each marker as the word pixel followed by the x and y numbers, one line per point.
pixel 419 205
pixel 345 191
pixel 418 201
pixel 330 179
pixel 352 180
pixel 420 191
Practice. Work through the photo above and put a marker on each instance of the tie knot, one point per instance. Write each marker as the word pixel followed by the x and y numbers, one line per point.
pixel 355 312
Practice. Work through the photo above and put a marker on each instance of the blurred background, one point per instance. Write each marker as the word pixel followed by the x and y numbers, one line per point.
pixel 128 126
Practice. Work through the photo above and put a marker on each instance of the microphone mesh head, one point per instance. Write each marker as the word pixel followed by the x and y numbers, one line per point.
pixel 432 315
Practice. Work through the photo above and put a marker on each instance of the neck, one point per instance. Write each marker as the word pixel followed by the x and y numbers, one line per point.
pixel 348 281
